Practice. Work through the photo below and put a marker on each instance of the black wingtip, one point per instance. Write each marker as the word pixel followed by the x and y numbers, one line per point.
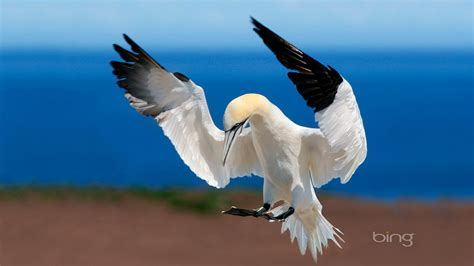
pixel 253 20
pixel 116 47
pixel 114 64
pixel 317 83
pixel 132 43
pixel 125 54
pixel 137 49
pixel 122 84
pixel 332 69
pixel 257 25
pixel 128 40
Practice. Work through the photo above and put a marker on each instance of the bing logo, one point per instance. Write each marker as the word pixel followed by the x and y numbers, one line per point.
pixel 405 240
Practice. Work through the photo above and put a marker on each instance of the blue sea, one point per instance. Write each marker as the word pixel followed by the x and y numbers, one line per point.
pixel 64 121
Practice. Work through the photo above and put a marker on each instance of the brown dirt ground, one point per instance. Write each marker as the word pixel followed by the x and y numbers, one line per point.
pixel 138 232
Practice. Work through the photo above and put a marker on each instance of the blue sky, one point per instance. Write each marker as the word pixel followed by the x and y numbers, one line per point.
pixel 216 25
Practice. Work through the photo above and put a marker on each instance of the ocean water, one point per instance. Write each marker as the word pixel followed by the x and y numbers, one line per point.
pixel 64 121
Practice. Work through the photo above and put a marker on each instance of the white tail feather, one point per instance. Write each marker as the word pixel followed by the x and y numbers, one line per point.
pixel 311 230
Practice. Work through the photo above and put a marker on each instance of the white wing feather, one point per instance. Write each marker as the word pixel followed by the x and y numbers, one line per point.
pixel 341 141
pixel 339 145
pixel 180 108
pixel 200 143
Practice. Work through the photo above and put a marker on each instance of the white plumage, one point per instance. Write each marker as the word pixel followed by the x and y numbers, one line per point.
pixel 342 128
pixel 291 158
pixel 200 143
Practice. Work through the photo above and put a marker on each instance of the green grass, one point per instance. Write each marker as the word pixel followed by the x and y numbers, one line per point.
pixel 203 201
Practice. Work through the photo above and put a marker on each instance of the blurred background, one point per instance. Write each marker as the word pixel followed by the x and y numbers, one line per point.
pixel 65 128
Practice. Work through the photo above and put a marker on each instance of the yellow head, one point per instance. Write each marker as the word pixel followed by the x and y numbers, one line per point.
pixel 238 112
pixel 243 107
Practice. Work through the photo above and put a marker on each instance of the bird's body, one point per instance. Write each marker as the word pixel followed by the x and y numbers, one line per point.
pixel 281 153
pixel 292 159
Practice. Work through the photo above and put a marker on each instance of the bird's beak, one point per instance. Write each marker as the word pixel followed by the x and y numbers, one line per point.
pixel 230 136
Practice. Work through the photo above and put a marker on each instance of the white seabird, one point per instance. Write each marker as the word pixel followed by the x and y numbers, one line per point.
pixel 291 158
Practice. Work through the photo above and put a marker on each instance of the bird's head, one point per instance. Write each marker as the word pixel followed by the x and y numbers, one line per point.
pixel 238 113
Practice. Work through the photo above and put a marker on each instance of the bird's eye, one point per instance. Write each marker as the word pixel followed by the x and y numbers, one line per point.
pixel 237 125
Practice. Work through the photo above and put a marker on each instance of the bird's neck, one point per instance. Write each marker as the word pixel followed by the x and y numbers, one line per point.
pixel 269 120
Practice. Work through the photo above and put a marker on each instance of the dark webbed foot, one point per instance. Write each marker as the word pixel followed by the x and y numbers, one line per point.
pixel 281 217
pixel 246 212
pixel 240 212
pixel 260 212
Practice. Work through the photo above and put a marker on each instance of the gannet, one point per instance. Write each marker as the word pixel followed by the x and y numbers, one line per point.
pixel 258 139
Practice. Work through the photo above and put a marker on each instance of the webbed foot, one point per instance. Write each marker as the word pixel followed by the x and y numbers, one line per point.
pixel 246 212
pixel 279 218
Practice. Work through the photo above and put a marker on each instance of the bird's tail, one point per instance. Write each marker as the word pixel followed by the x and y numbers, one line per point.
pixel 311 230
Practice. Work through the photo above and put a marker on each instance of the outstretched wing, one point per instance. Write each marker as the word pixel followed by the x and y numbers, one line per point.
pixel 333 101
pixel 179 106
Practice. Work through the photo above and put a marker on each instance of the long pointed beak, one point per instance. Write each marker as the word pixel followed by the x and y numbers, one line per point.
pixel 229 137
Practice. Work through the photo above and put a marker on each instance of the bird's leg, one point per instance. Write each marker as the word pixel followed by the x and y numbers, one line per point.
pixel 281 217
pixel 260 211
pixel 246 212
pixel 286 214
